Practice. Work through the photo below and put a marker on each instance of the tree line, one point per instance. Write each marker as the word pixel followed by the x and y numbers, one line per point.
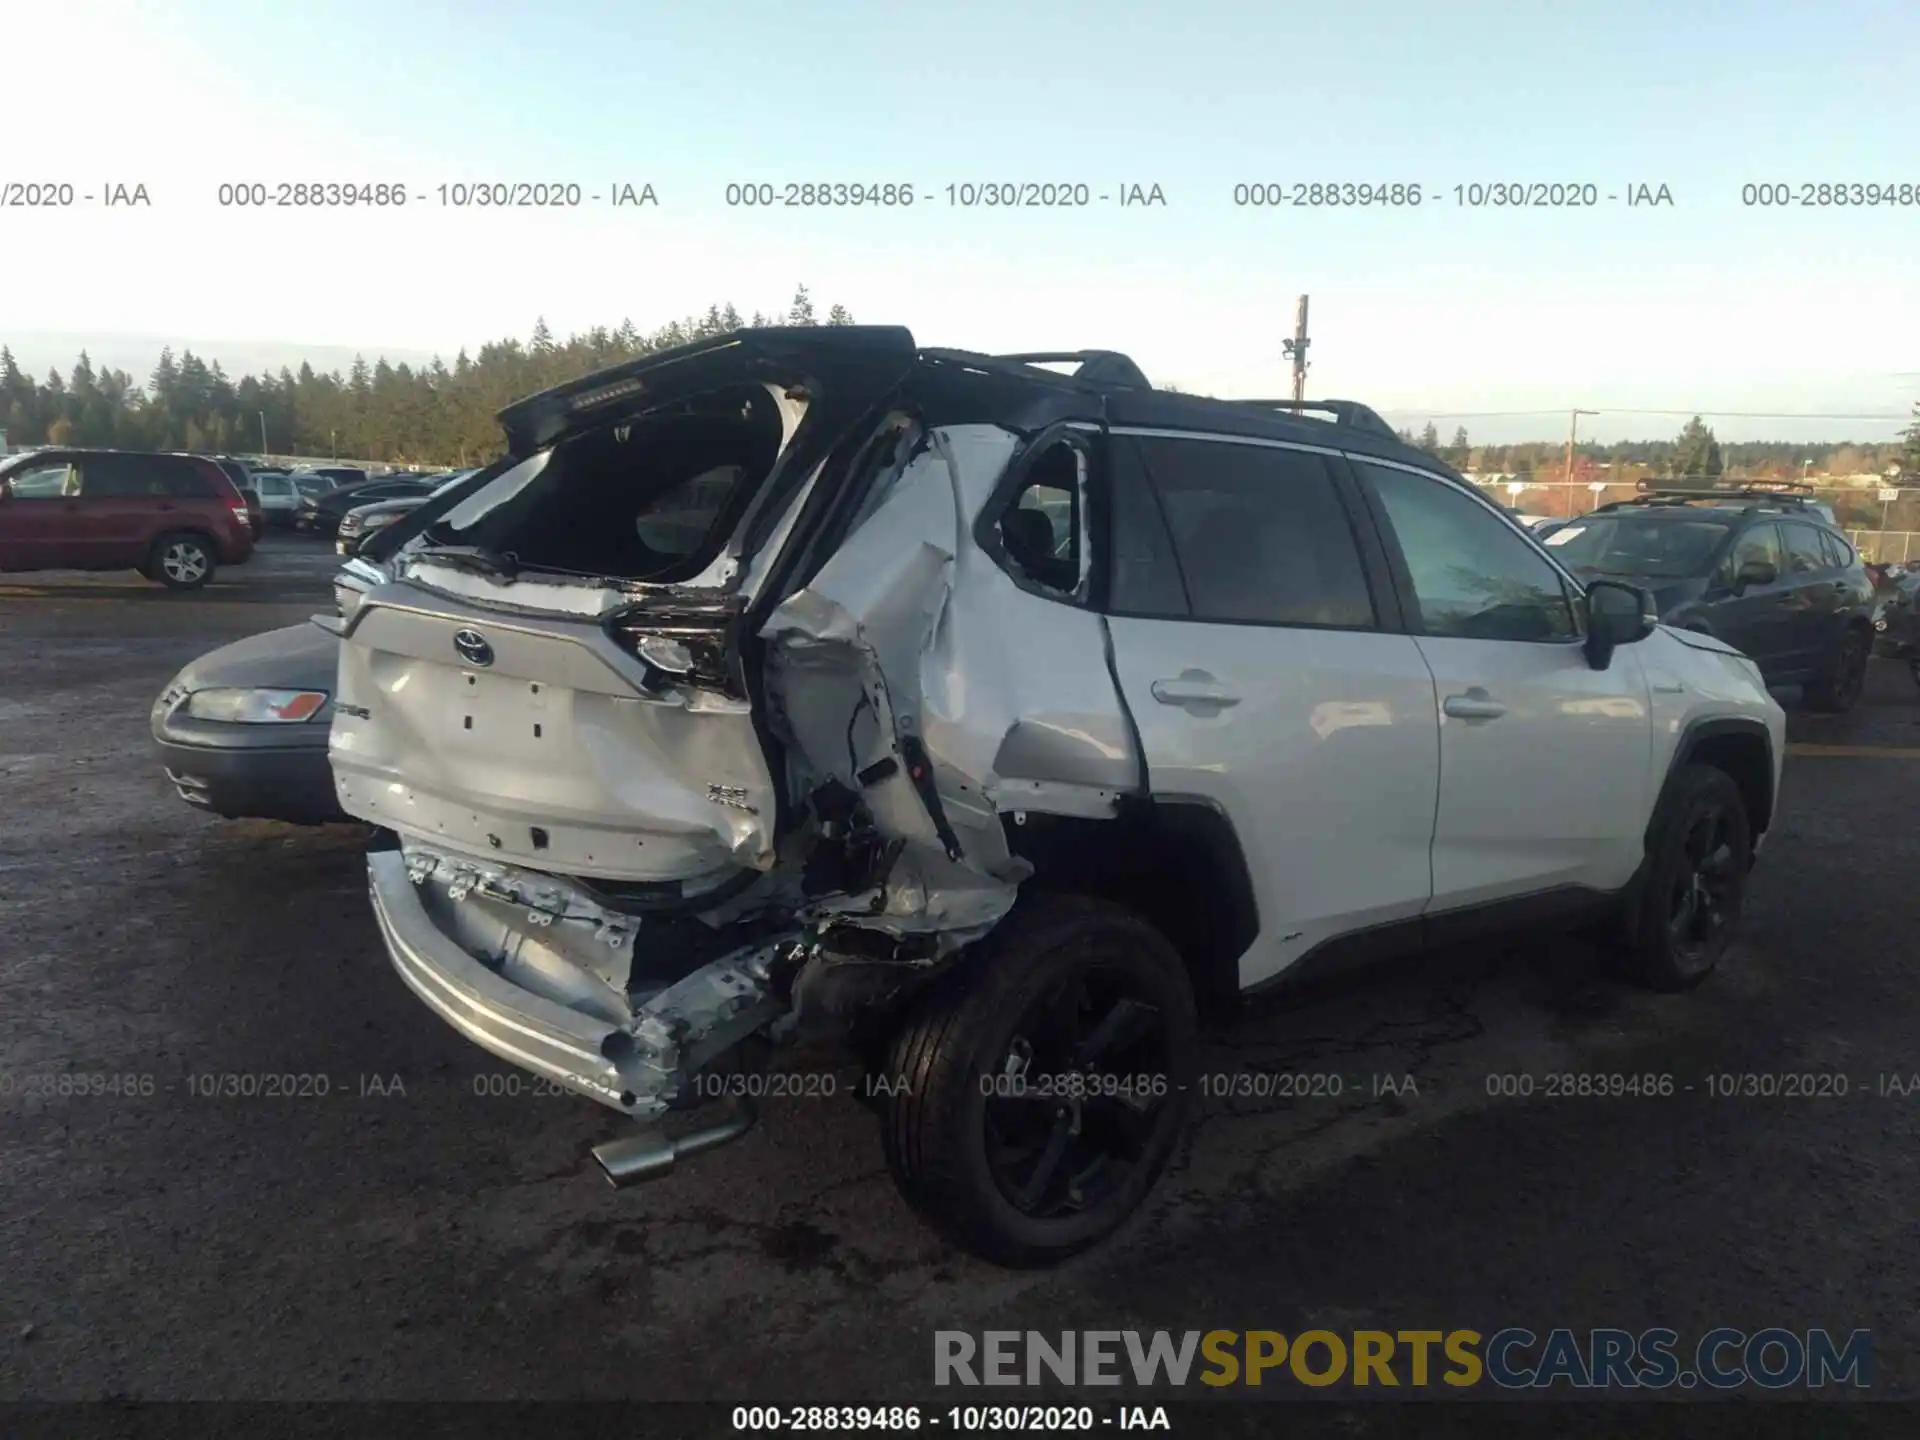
pixel 1694 452
pixel 444 414
pixel 436 413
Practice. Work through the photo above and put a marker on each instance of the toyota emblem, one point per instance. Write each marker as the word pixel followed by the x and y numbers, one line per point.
pixel 473 647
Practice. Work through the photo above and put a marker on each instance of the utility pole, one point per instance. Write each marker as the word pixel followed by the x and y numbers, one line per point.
pixel 1573 429
pixel 263 435
pixel 1296 348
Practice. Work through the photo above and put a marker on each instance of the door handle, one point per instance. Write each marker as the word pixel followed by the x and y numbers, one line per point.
pixel 1193 687
pixel 1476 704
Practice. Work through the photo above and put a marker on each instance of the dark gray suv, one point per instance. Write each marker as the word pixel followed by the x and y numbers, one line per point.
pixel 1762 570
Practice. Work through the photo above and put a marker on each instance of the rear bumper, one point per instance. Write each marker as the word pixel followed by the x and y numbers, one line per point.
pixel 642 1063
pixel 294 784
pixel 520 1027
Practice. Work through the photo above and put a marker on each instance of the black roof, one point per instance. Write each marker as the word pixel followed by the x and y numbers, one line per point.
pixel 882 356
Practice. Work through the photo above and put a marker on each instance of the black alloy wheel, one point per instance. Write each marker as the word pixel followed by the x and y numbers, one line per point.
pixel 1037 1090
pixel 1681 913
pixel 1071 1106
pixel 1704 891
pixel 1839 689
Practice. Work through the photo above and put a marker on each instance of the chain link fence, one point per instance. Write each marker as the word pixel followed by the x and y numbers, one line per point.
pixel 1886 546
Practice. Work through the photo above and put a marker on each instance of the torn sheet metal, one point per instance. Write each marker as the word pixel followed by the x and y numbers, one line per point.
pixel 552 940
pixel 910 642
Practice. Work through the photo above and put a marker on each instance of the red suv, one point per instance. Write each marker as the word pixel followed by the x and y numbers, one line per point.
pixel 174 518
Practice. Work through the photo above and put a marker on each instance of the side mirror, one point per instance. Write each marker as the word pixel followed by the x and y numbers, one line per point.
pixel 1755 572
pixel 1617 615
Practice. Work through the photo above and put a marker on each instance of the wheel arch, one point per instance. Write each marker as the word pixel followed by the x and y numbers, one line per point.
pixel 188 532
pixel 1176 862
pixel 1742 748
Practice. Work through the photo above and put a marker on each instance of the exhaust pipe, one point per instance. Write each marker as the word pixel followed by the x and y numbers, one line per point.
pixel 649 1153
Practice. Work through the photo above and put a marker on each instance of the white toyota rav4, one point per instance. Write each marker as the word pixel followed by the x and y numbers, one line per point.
pixel 988 716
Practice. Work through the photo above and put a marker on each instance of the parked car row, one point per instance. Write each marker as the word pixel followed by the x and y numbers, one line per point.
pixel 321 513
pixel 174 518
pixel 362 522
pixel 807 682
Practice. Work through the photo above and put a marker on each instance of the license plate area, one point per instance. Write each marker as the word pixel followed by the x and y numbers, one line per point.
pixel 497 715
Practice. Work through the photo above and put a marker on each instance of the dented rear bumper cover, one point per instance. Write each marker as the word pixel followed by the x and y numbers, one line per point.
pixel 520 1027
pixel 639 1066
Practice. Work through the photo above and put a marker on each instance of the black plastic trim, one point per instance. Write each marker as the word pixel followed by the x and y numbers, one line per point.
pixel 1704 729
pixel 1563 906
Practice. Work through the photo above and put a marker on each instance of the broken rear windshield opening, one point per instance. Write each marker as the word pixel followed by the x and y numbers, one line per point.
pixel 649 499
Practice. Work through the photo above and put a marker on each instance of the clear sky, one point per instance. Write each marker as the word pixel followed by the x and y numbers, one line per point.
pixel 1705 303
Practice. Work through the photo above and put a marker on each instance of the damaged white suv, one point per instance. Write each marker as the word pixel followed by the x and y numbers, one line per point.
pixel 805 681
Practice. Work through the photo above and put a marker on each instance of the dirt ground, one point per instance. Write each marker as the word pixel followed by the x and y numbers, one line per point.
pixel 412 1233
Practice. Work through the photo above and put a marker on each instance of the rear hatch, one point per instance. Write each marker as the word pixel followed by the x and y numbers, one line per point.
pixel 552 675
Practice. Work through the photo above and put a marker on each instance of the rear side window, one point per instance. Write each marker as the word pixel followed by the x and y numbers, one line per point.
pixel 1259 535
pixel 121 477
pixel 1805 554
pixel 184 479
pixel 1839 552
pixel 1040 528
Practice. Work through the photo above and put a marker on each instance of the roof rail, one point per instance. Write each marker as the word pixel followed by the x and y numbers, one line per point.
pixel 1091 367
pixel 1344 412
pixel 1667 502
pixel 1748 498
pixel 1110 367
pixel 1773 490
pixel 1096 367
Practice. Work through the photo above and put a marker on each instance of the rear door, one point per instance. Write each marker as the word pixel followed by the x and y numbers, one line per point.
pixel 124 502
pixel 1264 672
pixel 1752 618
pixel 40 515
pixel 1545 762
pixel 1816 594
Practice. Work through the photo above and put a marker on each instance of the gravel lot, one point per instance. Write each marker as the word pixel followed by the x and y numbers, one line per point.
pixel 404 1236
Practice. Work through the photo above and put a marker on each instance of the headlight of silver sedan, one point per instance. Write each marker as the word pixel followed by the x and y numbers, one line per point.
pixel 256 707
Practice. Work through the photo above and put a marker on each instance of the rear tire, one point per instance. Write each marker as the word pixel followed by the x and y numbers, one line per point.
pixel 1838 688
pixel 1014 1131
pixel 1688 901
pixel 182 561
